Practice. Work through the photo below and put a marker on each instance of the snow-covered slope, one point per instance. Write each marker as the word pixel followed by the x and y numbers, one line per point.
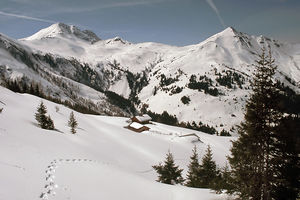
pixel 60 30
pixel 222 67
pixel 57 40
pixel 58 77
pixel 229 47
pixel 103 160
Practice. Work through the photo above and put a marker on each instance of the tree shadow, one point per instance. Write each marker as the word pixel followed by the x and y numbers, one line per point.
pixel 36 125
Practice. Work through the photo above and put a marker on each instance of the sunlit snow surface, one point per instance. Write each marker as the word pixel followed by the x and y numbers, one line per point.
pixel 103 160
pixel 228 50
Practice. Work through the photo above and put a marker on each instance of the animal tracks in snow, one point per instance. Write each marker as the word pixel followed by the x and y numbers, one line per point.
pixel 50 186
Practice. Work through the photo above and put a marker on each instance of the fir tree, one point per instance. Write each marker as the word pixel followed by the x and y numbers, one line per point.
pixel 169 173
pixel 49 123
pixel 193 170
pixel 72 123
pixel 208 170
pixel 285 158
pixel 226 178
pixel 251 154
pixel 223 180
pixel 40 115
pixel 44 121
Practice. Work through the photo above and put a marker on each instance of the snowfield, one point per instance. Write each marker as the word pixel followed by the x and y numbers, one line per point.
pixel 62 56
pixel 103 160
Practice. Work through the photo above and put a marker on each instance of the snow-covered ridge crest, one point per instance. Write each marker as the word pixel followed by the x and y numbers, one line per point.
pixel 117 40
pixel 64 30
pixel 153 72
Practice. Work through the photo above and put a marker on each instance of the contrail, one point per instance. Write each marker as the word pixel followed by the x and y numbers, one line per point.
pixel 213 6
pixel 27 17
pixel 113 5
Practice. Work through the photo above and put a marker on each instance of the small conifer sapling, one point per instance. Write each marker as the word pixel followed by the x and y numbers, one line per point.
pixel 72 123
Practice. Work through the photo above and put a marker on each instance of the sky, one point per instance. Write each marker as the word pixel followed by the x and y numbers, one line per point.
pixel 174 22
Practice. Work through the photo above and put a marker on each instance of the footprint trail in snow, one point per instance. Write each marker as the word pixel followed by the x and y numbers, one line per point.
pixel 50 186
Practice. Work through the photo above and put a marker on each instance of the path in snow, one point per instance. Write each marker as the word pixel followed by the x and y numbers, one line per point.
pixel 50 186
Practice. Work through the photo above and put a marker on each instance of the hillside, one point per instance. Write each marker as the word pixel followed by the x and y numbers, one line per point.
pixel 212 76
pixel 102 156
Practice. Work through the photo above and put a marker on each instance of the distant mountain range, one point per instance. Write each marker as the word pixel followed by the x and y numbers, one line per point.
pixel 207 82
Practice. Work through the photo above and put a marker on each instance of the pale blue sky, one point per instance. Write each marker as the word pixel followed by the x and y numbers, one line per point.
pixel 175 22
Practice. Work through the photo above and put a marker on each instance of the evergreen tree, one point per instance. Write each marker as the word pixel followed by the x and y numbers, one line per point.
pixel 40 115
pixel 72 123
pixel 193 171
pixel 285 158
pixel 208 170
pixel 44 121
pixel 226 178
pixel 251 154
pixel 223 180
pixel 49 123
pixel 169 173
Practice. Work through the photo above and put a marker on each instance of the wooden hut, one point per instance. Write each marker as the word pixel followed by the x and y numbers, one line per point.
pixel 144 119
pixel 137 127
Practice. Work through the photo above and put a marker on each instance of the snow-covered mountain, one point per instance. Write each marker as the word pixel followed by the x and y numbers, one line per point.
pixel 207 82
pixel 61 31
pixel 59 78
pixel 103 160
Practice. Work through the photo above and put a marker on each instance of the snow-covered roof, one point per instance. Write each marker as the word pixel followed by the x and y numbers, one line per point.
pixel 144 118
pixel 136 125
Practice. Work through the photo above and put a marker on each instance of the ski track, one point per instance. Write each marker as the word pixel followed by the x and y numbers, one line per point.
pixel 3 103
pixel 12 165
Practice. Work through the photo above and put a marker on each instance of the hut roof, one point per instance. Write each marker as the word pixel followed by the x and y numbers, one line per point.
pixel 136 125
pixel 144 118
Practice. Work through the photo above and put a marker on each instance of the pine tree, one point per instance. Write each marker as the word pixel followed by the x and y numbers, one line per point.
pixel 44 121
pixel 285 158
pixel 49 123
pixel 40 115
pixel 169 173
pixel 251 154
pixel 72 123
pixel 208 170
pixel 226 178
pixel 193 170
pixel 223 180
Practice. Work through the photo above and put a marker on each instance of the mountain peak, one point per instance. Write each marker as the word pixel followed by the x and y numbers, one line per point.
pixel 117 40
pixel 66 31
pixel 229 31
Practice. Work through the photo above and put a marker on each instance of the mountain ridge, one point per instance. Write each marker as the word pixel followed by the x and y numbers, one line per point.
pixel 214 74
pixel 64 30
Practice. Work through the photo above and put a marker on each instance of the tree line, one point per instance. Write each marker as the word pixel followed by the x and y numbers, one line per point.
pixel 24 85
pixel 204 174
pixel 264 163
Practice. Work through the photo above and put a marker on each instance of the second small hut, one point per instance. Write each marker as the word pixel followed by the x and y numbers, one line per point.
pixel 144 119
pixel 138 123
